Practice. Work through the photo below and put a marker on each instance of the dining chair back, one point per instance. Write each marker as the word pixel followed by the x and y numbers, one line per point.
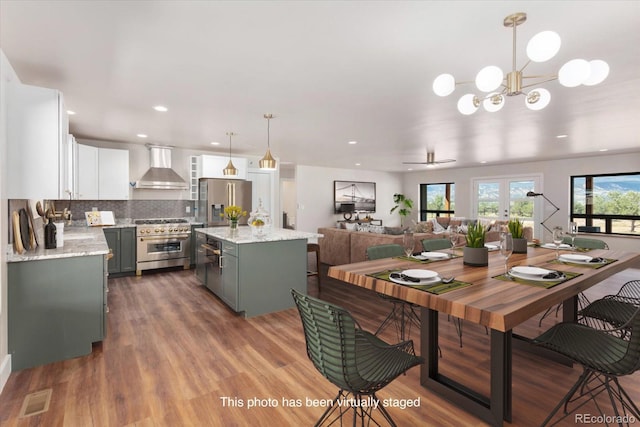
pixel 384 251
pixel 613 309
pixel 436 244
pixel 605 355
pixel 403 315
pixel 586 243
pixel 354 360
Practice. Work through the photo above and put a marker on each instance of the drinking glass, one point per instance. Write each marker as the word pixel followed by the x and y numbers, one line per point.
pixel 573 230
pixel 408 243
pixel 558 235
pixel 506 249
pixel 453 237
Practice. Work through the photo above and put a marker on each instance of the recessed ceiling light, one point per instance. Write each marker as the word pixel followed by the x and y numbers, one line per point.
pixel 410 169
pixel 357 164
pixel 161 108
pixel 215 143
pixel 141 135
pixel 483 161
pixel 604 149
pixel 562 136
pixel 353 142
pixel 71 113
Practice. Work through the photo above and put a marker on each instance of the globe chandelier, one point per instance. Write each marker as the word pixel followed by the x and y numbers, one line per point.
pixel 496 86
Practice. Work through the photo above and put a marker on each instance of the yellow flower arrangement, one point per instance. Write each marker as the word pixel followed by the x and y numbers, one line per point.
pixel 233 212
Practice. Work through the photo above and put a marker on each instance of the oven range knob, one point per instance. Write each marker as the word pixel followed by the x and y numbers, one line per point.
pixel 157 230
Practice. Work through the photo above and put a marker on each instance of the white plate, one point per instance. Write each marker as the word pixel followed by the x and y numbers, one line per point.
pixel 420 274
pixel 434 255
pixel 431 281
pixel 530 271
pixel 552 246
pixel 533 278
pixel 492 247
pixel 575 258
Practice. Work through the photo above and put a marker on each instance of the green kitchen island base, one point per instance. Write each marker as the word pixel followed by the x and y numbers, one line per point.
pixel 253 275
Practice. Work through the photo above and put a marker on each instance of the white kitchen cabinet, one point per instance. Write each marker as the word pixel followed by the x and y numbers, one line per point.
pixel 37 131
pixel 103 173
pixel 113 174
pixel 212 166
pixel 87 173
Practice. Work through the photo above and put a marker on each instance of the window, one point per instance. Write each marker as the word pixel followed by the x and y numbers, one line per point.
pixel 606 203
pixel 437 200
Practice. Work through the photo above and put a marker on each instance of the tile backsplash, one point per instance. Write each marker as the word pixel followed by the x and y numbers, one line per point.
pixel 134 209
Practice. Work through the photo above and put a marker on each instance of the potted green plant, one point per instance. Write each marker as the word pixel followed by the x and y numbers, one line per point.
pixel 403 206
pixel 475 253
pixel 516 229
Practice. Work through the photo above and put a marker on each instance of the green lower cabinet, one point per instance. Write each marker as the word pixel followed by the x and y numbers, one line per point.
pixel 229 267
pixel 194 245
pixel 56 308
pixel 122 242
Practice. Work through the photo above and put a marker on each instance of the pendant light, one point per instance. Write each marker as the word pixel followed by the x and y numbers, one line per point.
pixel 268 162
pixel 230 170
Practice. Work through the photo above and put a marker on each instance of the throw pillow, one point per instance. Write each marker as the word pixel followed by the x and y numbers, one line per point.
pixel 437 228
pixel 394 230
pixel 378 229
pixel 424 227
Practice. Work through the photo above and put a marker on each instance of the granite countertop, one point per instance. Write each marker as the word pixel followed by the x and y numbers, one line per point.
pixel 78 241
pixel 244 234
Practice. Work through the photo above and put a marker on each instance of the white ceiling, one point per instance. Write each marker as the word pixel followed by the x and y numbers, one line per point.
pixel 331 72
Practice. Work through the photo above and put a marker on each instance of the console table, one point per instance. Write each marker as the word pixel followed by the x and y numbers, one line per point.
pixel 362 221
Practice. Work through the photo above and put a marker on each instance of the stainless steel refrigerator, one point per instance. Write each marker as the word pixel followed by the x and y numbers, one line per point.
pixel 216 194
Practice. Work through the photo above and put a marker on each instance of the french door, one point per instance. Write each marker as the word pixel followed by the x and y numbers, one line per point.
pixel 504 198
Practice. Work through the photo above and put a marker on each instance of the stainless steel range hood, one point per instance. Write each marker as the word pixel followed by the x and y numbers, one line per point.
pixel 160 176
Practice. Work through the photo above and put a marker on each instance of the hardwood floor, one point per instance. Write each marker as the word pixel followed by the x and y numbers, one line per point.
pixel 176 356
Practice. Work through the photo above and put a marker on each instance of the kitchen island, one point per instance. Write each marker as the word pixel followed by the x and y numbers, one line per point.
pixel 252 274
pixel 57 299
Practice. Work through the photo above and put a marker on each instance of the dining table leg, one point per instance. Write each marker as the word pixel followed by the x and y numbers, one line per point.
pixel 495 408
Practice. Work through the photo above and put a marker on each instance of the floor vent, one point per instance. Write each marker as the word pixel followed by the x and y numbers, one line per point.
pixel 36 403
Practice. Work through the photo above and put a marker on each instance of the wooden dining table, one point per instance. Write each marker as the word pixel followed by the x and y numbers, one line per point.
pixel 500 305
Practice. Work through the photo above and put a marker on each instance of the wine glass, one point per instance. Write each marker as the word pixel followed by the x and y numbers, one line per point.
pixel 506 249
pixel 453 237
pixel 558 235
pixel 573 230
pixel 408 243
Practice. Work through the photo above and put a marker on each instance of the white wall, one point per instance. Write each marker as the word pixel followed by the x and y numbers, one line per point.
pixel 556 176
pixel 314 192
pixel 7 76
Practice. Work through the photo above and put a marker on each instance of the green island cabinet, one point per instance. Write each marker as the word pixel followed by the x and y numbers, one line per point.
pixel 194 244
pixel 57 308
pixel 251 276
pixel 122 243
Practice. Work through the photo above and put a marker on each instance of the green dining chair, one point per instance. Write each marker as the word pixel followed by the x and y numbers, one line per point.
pixel 586 243
pixel 436 244
pixel 403 314
pixel 356 361
pixel 605 355
pixel 580 243
pixel 612 310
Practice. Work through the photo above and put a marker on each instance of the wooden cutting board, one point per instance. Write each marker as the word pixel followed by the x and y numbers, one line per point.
pixel 24 228
pixel 33 235
pixel 17 239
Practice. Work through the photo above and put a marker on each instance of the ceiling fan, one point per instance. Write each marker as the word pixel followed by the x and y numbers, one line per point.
pixel 431 160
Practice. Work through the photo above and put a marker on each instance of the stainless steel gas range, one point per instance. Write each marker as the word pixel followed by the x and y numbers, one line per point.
pixel 161 243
